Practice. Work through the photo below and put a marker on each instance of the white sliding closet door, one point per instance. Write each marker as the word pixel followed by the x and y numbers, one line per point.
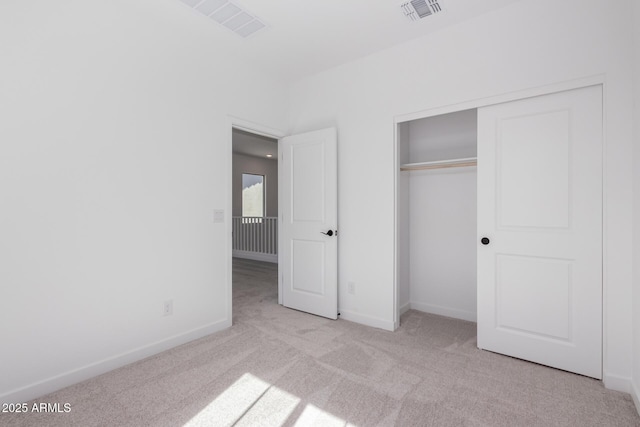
pixel 540 207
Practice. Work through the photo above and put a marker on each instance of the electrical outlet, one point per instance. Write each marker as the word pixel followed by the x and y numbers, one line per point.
pixel 168 307
pixel 351 288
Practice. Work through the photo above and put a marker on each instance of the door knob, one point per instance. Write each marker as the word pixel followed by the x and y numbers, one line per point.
pixel 485 240
pixel 328 233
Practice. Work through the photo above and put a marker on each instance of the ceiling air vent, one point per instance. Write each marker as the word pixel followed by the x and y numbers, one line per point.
pixel 228 14
pixel 418 9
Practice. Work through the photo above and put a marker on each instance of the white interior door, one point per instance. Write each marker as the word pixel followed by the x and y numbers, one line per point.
pixel 308 246
pixel 540 206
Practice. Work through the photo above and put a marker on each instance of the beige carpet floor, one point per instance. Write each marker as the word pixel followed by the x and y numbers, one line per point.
pixel 277 366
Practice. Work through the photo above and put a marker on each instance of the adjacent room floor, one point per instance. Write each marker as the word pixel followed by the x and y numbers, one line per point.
pixel 277 366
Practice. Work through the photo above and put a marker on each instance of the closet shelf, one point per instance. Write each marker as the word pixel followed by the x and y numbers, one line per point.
pixel 440 164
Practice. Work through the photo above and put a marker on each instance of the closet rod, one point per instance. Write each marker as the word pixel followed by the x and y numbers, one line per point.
pixel 439 164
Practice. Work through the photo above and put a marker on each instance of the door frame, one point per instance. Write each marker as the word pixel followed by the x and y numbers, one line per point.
pixel 484 102
pixel 258 129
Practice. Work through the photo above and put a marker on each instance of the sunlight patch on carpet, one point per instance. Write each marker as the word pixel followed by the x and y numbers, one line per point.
pixel 314 416
pixel 251 401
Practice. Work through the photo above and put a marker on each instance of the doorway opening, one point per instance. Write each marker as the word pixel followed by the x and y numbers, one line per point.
pixel 254 189
pixel 301 244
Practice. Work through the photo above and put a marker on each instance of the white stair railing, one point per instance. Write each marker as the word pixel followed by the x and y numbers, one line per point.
pixel 255 238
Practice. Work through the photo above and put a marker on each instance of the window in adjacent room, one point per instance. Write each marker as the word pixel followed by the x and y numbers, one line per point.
pixel 252 195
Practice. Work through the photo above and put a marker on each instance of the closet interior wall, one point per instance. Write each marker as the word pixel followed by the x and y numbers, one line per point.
pixel 437 216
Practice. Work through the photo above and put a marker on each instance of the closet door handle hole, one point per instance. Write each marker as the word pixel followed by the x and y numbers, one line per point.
pixel 485 240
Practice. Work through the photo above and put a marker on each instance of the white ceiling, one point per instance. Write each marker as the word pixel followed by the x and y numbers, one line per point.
pixel 254 145
pixel 304 37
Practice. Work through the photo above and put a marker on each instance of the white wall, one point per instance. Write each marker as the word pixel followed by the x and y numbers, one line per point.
pixel 115 152
pixel 519 47
pixel 255 165
pixel 636 210
pixel 442 137
pixel 443 241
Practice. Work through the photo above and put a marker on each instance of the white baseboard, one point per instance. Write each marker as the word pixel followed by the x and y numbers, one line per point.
pixel 616 382
pixel 635 394
pixel 444 311
pixel 404 308
pixel 363 319
pixel 256 256
pixel 57 382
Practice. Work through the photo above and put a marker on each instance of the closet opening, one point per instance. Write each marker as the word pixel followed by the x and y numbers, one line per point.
pixel 499 222
pixel 437 215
